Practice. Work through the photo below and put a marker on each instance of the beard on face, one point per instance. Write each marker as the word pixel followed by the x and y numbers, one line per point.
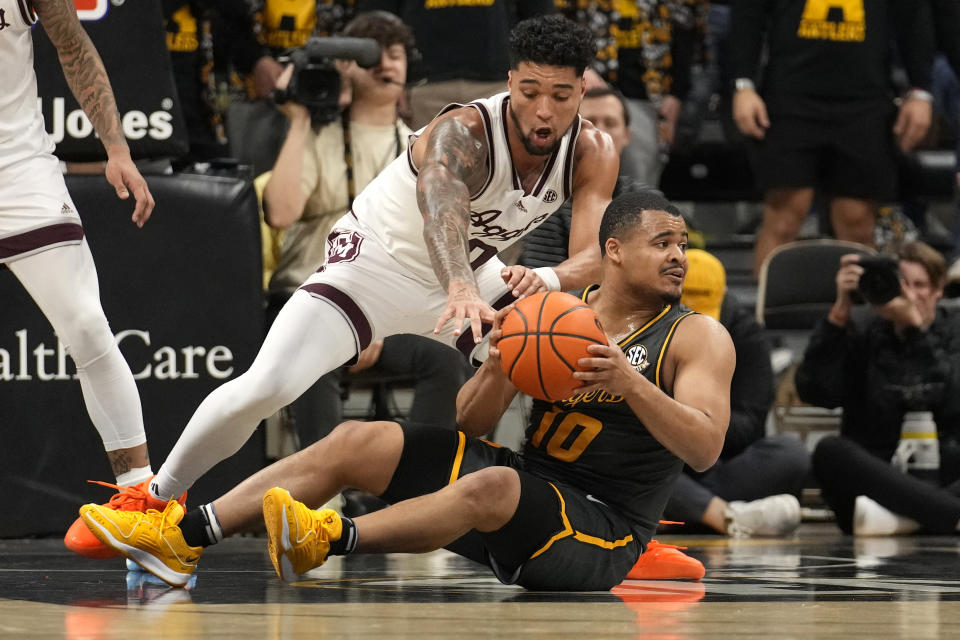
pixel 528 143
pixel 670 298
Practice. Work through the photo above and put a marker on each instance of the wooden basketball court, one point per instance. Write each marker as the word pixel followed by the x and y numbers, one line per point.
pixel 818 584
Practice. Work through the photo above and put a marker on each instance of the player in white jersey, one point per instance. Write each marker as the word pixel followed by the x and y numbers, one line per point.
pixel 41 238
pixel 475 179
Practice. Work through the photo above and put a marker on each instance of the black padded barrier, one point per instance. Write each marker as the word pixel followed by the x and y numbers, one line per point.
pixel 184 296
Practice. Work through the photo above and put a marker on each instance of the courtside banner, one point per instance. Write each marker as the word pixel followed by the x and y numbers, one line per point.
pixel 130 38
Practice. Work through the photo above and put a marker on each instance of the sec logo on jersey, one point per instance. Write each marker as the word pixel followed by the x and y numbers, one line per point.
pixel 637 357
pixel 91 9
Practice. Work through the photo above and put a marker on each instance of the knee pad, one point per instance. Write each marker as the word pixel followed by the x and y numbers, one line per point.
pixel 87 338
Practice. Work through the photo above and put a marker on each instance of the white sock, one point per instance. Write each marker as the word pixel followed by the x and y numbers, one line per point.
pixel 164 486
pixel 870 518
pixel 134 476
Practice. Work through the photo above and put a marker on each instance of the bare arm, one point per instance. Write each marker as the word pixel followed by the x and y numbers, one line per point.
pixel 693 422
pixel 283 196
pixel 484 398
pixel 87 78
pixel 594 179
pixel 453 163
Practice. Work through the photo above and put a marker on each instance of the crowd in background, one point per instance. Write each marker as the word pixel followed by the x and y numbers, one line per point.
pixel 828 100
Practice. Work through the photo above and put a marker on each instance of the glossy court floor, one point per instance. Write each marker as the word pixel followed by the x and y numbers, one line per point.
pixel 817 584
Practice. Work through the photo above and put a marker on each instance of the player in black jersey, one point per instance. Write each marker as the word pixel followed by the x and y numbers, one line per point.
pixel 573 511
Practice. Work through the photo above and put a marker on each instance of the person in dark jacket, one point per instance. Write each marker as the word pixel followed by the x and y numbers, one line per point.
pixel 752 489
pixel 879 363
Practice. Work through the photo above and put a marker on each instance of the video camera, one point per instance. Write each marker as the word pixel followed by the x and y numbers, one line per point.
pixel 315 82
pixel 880 282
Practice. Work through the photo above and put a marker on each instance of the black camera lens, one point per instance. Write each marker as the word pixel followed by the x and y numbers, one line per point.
pixel 880 282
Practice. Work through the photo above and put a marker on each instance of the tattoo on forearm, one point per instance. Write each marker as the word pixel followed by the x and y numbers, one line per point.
pixel 82 68
pixel 455 165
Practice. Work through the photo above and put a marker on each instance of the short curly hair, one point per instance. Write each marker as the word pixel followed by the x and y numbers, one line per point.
pixel 552 40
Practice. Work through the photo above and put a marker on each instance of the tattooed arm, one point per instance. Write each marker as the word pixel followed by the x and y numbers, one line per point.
pixel 452 157
pixel 88 81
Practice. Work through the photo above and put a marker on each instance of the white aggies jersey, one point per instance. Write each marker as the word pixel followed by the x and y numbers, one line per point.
pixel 22 134
pixel 500 213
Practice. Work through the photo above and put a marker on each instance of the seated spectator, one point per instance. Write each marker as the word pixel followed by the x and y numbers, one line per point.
pixel 827 119
pixel 897 356
pixel 752 489
pixel 320 168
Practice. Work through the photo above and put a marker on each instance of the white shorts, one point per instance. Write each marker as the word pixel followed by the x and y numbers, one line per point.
pixel 36 212
pixel 379 298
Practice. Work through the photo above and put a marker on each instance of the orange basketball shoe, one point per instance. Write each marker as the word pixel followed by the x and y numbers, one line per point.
pixel 136 497
pixel 666 562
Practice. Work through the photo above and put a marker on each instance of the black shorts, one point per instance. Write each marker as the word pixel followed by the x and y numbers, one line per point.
pixel 559 539
pixel 848 152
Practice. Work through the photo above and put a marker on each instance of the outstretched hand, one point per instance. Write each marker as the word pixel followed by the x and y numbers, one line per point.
pixel 123 174
pixel 464 304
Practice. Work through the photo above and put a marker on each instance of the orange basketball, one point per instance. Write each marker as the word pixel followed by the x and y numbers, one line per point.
pixel 543 338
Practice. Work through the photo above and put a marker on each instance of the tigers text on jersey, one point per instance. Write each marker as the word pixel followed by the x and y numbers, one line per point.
pixel 501 212
pixel 21 123
pixel 595 443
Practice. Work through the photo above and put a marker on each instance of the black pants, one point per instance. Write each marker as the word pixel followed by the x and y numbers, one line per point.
pixel 846 470
pixel 772 465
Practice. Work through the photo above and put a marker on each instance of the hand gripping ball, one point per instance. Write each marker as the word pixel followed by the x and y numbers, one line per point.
pixel 542 340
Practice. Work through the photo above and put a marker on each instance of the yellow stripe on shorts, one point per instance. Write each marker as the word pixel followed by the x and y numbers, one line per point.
pixel 578 535
pixel 458 459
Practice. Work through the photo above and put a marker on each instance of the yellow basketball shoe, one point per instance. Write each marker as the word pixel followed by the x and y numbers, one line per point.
pixel 152 539
pixel 299 537
pixel 81 540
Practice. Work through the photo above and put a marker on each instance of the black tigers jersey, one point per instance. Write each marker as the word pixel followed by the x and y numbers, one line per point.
pixel 594 442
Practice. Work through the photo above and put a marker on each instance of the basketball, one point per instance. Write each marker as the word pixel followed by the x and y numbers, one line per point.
pixel 543 338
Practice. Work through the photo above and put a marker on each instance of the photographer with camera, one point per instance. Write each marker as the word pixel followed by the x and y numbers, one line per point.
pixel 329 154
pixel 899 355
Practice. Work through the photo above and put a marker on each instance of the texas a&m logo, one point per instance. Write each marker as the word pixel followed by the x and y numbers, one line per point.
pixel 91 9
pixel 637 357
pixel 343 246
